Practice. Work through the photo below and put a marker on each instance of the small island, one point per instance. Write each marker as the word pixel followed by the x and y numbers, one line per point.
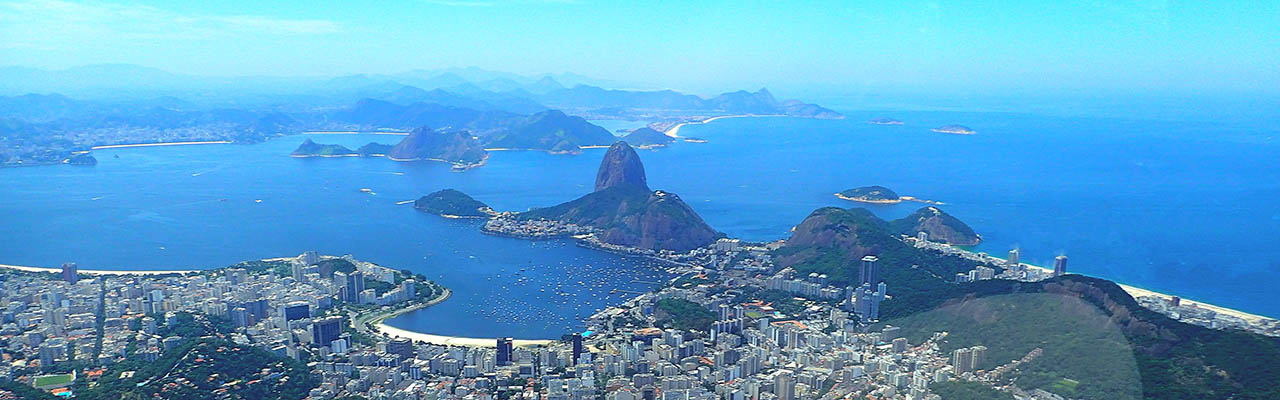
pixel 878 195
pixel 646 138
pixel 884 121
pixel 309 148
pixel 451 203
pixel 690 139
pixel 955 129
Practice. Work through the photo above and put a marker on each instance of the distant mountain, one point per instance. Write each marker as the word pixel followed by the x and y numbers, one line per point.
pixel 940 227
pixel 372 149
pixel 667 103
pixel 452 203
pixel 309 148
pixel 454 146
pixel 647 137
pixel 550 130
pixel 371 113
pixel 627 213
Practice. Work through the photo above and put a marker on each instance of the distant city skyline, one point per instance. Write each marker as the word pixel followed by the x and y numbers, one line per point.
pixel 1104 47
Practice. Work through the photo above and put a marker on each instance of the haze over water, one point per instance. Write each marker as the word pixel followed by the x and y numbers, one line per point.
pixel 1125 200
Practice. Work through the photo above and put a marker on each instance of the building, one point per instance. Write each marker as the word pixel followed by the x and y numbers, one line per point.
pixel 504 351
pixel 870 272
pixel 1060 266
pixel 326 330
pixel 401 347
pixel 784 386
pixel 295 311
pixel 70 273
pixel 577 347
pixel 1014 257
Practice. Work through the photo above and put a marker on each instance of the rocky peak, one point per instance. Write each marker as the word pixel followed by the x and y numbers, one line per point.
pixel 621 167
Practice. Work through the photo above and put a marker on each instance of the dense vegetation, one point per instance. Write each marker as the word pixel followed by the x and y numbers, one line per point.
pixel 683 314
pixel 870 193
pixel 964 390
pixel 309 148
pixel 1079 343
pixel 451 202
pixel 632 216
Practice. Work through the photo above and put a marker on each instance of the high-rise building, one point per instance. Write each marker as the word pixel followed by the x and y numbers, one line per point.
pixel 326 330
pixel 784 385
pixel 295 311
pixel 70 273
pixel 869 274
pixel 1060 266
pixel 504 351
pixel 900 345
pixel 577 347
pixel 1013 257
pixel 401 347
pixel 355 285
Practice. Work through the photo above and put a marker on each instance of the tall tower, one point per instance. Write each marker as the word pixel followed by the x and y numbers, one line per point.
pixel 1060 266
pixel 70 273
pixel 784 385
pixel 504 351
pixel 1013 257
pixel 869 274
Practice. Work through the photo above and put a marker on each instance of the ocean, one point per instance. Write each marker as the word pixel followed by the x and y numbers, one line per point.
pixel 1178 207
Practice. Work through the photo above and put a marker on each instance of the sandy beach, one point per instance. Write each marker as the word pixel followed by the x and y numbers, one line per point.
pixel 392 331
pixel 121 146
pixel 675 130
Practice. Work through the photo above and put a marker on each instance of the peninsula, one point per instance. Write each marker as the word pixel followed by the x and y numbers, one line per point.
pixel 451 203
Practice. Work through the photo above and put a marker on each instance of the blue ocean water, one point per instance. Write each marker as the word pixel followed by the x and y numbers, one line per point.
pixel 1186 208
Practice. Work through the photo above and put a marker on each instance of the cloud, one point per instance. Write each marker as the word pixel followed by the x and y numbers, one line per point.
pixel 61 24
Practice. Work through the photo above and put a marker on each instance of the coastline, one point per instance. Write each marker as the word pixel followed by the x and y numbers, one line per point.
pixel 122 146
pixel 379 326
pixel 1137 292
pixel 675 130
pixel 899 200
pixel 96 271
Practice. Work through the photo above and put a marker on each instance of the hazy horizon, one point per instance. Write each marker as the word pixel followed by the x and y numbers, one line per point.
pixel 1101 48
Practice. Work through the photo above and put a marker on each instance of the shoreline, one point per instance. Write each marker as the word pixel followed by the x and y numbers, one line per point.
pixel 158 144
pixel 379 326
pixel 675 130
pixel 900 199
pixel 1137 292
pixel 24 268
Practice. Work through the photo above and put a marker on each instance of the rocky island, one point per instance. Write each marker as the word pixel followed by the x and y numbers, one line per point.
pixel 884 121
pixel 84 159
pixel 451 203
pixel 623 211
pixel 310 148
pixel 646 137
pixel 878 195
pixel 955 129
pixel 452 146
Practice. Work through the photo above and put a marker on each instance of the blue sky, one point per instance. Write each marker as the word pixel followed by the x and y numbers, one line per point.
pixel 952 46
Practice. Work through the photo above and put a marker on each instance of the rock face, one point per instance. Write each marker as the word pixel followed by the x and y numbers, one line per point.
pixel 940 226
pixel 621 167
pixel 647 137
pixel 452 203
pixel 627 213
pixel 450 146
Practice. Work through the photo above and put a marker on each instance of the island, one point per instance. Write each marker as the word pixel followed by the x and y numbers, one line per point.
pixel 955 129
pixel 309 148
pixel 552 131
pixel 373 149
pixel 879 195
pixel 690 139
pixel 884 121
pixel 452 146
pixel 450 203
pixel 645 138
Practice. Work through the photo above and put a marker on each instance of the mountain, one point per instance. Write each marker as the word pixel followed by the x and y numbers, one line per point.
pixel 940 226
pixel 452 203
pixel 455 146
pixel 550 130
pixel 668 104
pixel 627 213
pixel 621 166
pixel 309 148
pixel 647 137
pixel 372 149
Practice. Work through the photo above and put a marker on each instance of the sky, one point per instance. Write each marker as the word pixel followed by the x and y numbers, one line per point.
pixel 949 47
